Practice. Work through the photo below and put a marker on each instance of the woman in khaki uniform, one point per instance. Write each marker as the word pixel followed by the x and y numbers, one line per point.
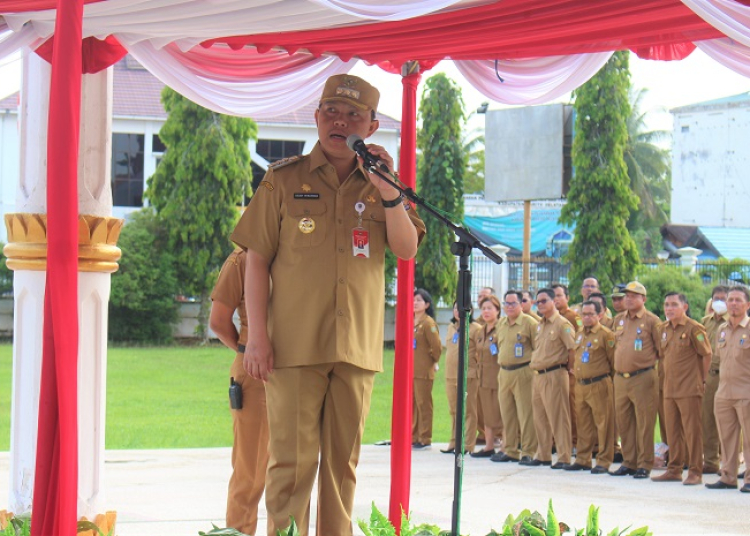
pixel 487 352
pixel 427 350
pixel 472 382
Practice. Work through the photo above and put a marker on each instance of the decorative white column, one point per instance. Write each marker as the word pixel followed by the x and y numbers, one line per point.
pixel 500 272
pixel 689 257
pixel 26 252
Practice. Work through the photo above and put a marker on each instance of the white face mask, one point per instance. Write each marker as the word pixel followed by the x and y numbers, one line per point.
pixel 719 307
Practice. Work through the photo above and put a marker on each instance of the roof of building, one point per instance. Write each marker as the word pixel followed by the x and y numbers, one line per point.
pixel 731 242
pixel 137 93
pixel 741 100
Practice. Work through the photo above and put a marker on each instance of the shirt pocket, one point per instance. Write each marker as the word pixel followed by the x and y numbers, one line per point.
pixel 373 219
pixel 307 222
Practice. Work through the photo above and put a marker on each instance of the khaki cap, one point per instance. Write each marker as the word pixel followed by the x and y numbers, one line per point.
pixel 351 89
pixel 617 291
pixel 635 287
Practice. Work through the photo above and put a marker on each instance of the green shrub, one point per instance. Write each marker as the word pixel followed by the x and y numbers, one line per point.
pixel 142 305
pixel 6 274
pixel 674 279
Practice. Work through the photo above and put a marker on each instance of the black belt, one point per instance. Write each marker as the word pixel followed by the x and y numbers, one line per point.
pixel 240 348
pixel 545 371
pixel 515 367
pixel 714 372
pixel 589 381
pixel 635 372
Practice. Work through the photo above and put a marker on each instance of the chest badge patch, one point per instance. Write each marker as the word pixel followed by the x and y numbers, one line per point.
pixel 370 199
pixel 306 225
pixel 306 187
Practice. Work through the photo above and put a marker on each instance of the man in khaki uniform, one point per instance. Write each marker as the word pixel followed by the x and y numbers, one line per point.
pixel 526 305
pixel 250 423
pixel 636 382
pixel 710 433
pixel 516 334
pixel 594 364
pixel 732 403
pixel 605 318
pixel 685 355
pixel 318 225
pixel 551 362
pixel 618 299
pixel 561 303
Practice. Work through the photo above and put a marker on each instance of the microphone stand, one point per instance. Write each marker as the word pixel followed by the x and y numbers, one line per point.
pixel 462 249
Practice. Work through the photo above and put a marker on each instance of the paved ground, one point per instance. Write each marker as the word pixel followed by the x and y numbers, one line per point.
pixel 179 492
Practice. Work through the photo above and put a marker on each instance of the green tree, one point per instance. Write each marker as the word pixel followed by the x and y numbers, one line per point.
pixel 649 170
pixel 196 189
pixel 674 279
pixel 142 305
pixel 474 150
pixel 440 174
pixel 600 198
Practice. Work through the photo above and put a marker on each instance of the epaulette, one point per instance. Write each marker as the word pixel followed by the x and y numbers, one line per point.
pixel 284 162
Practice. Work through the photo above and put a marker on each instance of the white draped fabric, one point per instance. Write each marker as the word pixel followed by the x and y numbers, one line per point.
pixel 730 54
pixel 532 81
pixel 286 85
pixel 12 42
pixel 728 16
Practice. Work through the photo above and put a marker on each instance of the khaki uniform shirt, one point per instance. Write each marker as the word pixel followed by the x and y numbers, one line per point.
pixel 682 349
pixel 230 288
pixel 734 353
pixel 535 316
pixel 516 341
pixel 571 316
pixel 711 323
pixel 327 305
pixel 554 337
pixel 451 352
pixel 487 345
pixel 608 322
pixel 427 348
pixel 607 313
pixel 629 355
pixel 599 342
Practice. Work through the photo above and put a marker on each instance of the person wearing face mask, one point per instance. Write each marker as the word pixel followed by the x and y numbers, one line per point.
pixel 711 322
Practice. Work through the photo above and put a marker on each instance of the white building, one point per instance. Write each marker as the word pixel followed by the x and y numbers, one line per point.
pixel 136 148
pixel 711 163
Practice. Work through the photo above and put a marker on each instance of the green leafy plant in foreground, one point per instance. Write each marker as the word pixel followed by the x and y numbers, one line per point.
pixel 216 531
pixel 17 526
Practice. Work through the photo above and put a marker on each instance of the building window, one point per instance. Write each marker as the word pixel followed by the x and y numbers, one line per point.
pixel 127 170
pixel 273 151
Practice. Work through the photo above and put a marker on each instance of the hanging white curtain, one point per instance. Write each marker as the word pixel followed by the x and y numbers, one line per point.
pixel 727 16
pixel 730 54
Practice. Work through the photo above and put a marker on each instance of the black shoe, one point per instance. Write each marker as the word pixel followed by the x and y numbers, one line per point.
pixel 482 454
pixel 448 451
pixel 502 457
pixel 745 488
pixel 722 485
pixel 419 446
pixel 741 476
pixel 560 465
pixel 617 458
pixel 524 460
pixel 642 473
pixel 623 471
pixel 576 467
pixel 534 463
pixel 598 470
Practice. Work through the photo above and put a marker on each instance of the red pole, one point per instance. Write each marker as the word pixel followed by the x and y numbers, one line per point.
pixel 403 372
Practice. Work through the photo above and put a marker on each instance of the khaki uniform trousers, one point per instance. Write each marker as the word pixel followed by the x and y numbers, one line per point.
pixel 316 411
pixel 683 416
pixel 572 403
pixel 421 425
pixel 662 417
pixel 733 417
pixel 549 400
pixel 470 425
pixel 249 454
pixel 596 422
pixel 515 409
pixel 491 411
pixel 710 431
pixel 636 402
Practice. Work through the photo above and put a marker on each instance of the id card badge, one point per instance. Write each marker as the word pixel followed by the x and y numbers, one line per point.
pixel 414 345
pixel 585 356
pixel 639 345
pixel 455 338
pixel 518 350
pixel 360 235
pixel 493 349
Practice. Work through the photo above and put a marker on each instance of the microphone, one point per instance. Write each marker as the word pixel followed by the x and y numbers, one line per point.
pixel 357 144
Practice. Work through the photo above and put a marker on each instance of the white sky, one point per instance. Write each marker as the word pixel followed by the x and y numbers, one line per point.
pixel 670 84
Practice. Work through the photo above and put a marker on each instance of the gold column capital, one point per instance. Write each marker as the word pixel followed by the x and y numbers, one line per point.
pixel 97 238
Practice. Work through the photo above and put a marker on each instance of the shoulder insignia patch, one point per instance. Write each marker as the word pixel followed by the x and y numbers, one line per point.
pixel 267 185
pixel 433 329
pixel 578 321
pixel 611 344
pixel 700 336
pixel 284 162
pixel 567 329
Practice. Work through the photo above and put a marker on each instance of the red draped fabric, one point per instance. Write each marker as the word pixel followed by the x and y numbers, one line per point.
pixel 96 54
pixel 519 29
pixel 56 474
pixel 18 6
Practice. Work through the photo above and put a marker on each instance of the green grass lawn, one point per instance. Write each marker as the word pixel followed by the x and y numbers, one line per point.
pixel 176 397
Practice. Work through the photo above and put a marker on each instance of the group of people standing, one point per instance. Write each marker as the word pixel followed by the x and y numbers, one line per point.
pixel 580 381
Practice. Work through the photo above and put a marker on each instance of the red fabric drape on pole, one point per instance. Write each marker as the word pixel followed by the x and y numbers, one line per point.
pixel 96 54
pixel 403 372
pixel 56 477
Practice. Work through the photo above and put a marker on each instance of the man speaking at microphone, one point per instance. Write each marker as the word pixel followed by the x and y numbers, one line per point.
pixel 316 229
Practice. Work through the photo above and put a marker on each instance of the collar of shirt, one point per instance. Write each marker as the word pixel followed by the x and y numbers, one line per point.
pixel 639 314
pixel 682 322
pixel 318 159
pixel 594 329
pixel 551 319
pixel 743 323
